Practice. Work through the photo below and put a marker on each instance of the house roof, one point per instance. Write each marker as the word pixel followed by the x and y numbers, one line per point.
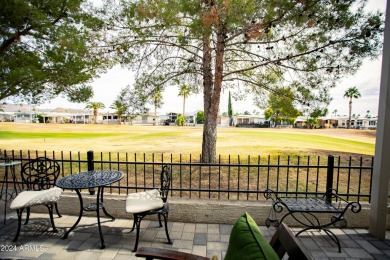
pixel 14 108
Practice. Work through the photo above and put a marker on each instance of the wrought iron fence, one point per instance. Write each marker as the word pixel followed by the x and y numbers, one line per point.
pixel 232 177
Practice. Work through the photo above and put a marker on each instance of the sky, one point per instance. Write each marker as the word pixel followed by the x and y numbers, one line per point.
pixel 366 79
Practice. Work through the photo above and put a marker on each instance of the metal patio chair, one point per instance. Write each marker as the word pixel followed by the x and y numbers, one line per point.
pixel 39 176
pixel 152 202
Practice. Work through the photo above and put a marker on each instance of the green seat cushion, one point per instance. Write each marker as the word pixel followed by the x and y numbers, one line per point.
pixel 247 242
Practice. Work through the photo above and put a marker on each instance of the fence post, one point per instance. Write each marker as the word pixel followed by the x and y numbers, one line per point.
pixel 91 167
pixel 329 177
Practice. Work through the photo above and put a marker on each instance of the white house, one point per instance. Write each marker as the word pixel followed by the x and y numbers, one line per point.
pixel 358 123
pixel 249 120
pixel 370 123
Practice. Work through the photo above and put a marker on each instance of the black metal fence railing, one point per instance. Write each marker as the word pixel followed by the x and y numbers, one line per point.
pixel 232 178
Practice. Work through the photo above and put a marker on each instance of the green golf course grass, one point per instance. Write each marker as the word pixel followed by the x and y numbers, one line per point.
pixel 184 140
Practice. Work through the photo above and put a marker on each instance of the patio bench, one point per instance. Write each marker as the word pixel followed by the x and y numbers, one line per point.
pixel 304 210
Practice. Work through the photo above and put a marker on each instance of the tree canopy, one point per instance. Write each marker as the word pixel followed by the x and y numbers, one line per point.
pixel 135 102
pixel 48 48
pixel 281 107
pixel 244 45
pixel 119 107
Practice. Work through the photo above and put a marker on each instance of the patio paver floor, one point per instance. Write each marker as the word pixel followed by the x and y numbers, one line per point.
pixel 36 240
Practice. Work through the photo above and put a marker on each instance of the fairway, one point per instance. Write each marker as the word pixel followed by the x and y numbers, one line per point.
pixel 184 140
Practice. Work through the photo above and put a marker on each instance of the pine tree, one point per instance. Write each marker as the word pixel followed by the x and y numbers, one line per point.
pixel 253 46
pixel 230 109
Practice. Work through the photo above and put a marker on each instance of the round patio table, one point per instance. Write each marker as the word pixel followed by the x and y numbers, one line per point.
pixel 86 180
pixel 5 194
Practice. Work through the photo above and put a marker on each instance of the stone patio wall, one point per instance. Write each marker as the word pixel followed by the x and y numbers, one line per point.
pixel 200 210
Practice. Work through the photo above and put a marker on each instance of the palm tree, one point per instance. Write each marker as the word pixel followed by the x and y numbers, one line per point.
pixel 120 108
pixel 351 93
pixel 95 106
pixel 157 102
pixel 184 92
pixel 368 114
pixel 335 112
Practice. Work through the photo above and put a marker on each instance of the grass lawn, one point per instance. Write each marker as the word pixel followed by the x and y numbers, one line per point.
pixel 138 143
pixel 184 140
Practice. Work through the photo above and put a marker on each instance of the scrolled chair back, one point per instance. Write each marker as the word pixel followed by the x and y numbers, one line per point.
pixel 166 175
pixel 40 173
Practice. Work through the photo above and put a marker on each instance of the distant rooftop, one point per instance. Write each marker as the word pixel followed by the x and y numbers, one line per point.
pixel 27 108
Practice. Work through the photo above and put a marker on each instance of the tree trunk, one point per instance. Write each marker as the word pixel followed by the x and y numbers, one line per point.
pixel 95 115
pixel 350 113
pixel 209 127
pixel 155 115
pixel 184 109
pixel 211 96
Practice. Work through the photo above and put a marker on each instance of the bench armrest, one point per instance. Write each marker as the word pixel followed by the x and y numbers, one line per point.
pixel 284 241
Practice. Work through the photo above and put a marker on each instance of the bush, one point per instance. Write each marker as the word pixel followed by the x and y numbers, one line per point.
pixel 180 120
pixel 40 118
pixel 200 117
pixel 312 123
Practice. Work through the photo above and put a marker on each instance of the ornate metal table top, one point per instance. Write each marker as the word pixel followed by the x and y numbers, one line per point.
pixel 309 205
pixel 89 179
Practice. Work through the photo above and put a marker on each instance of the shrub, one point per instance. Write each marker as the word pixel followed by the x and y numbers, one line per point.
pixel 200 117
pixel 180 120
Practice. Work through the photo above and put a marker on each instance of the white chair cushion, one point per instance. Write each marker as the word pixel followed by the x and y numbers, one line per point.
pixel 143 201
pixel 30 198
